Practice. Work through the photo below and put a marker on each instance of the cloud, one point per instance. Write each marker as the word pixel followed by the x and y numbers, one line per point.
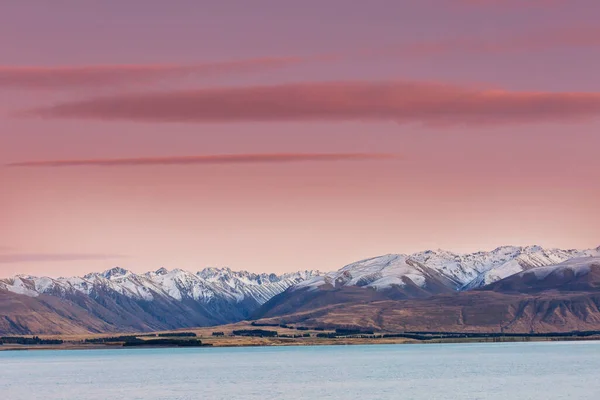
pixel 102 75
pixel 404 102
pixel 94 76
pixel 53 257
pixel 210 159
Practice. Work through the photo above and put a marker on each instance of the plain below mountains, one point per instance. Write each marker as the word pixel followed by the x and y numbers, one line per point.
pixel 510 289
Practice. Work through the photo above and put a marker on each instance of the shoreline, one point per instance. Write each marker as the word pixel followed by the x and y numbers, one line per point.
pixel 228 342
pixel 250 334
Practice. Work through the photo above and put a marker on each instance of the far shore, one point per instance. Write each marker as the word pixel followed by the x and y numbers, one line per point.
pixel 234 335
pixel 268 342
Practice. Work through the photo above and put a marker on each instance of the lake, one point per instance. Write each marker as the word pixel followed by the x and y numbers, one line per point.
pixel 560 370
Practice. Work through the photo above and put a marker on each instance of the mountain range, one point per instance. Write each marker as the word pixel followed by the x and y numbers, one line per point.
pixel 558 298
pixel 431 290
pixel 119 300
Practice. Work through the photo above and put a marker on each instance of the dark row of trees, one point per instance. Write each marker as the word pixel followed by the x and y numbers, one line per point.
pixel 113 339
pixel 443 335
pixel 177 334
pixel 164 343
pixel 28 340
pixel 294 336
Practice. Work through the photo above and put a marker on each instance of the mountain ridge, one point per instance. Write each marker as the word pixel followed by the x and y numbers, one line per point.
pixel 159 280
pixel 559 298
pixel 454 270
pixel 120 300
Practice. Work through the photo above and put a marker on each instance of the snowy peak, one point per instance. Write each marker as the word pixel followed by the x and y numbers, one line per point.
pixel 378 273
pixel 113 273
pixel 209 285
pixel 577 266
pixel 20 285
pixel 443 268
pixel 423 273
pixel 216 273
pixel 116 272
pixel 525 258
pixel 577 274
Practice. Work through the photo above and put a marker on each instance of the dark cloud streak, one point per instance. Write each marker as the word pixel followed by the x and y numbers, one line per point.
pixel 209 159
pixel 403 102
pixel 65 77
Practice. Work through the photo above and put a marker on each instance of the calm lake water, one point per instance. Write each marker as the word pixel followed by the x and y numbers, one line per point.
pixel 463 371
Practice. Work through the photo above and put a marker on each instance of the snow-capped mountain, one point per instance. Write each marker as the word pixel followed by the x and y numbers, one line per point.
pixel 438 267
pixel 557 298
pixel 177 284
pixel 574 275
pixel 423 269
pixel 120 300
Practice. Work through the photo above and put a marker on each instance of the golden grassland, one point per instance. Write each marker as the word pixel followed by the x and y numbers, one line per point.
pixel 228 340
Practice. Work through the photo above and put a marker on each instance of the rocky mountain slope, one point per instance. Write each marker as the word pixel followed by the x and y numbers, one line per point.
pixel 420 275
pixel 575 275
pixel 429 269
pixel 562 297
pixel 119 300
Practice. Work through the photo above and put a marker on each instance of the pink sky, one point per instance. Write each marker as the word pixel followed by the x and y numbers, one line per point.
pixel 293 135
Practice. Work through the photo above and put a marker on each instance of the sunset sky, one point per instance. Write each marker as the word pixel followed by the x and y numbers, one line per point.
pixel 274 136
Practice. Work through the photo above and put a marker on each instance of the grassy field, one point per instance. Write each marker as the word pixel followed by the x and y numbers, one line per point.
pixel 230 340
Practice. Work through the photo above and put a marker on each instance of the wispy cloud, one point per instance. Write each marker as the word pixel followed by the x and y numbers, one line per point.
pixel 53 257
pixel 210 159
pixel 404 102
pixel 102 75
pixel 93 76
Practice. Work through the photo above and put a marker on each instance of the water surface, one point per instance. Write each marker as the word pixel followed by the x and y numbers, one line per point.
pixel 565 370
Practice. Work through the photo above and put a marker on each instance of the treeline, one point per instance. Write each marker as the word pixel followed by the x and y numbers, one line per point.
pixel 442 335
pixel 135 341
pixel 332 335
pixel 410 336
pixel 113 339
pixel 28 340
pixel 164 342
pixel 348 332
pixel 327 335
pixel 125 338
